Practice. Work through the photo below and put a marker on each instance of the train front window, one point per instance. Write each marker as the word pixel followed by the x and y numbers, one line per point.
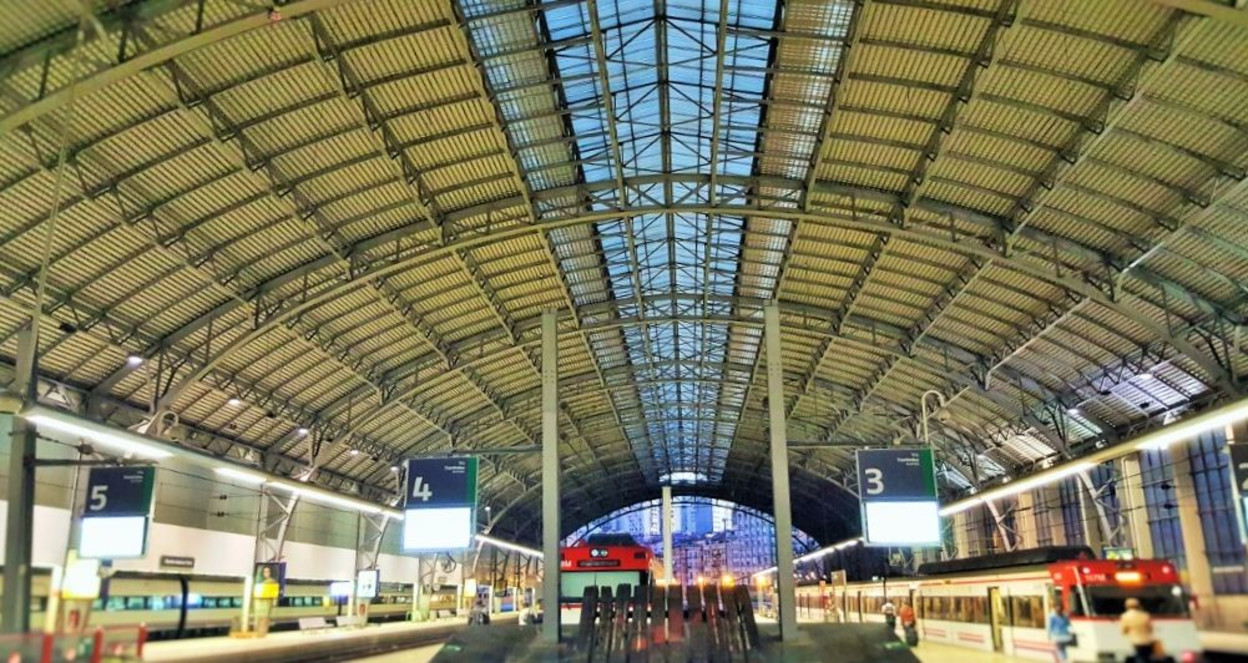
pixel 1157 600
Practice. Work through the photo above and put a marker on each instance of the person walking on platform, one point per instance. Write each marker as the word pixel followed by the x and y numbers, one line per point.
pixel 1060 633
pixel 1137 625
pixel 890 615
pixel 908 623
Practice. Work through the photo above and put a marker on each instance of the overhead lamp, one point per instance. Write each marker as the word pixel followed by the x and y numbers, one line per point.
pixel 394 468
pixel 1146 375
pixel 1072 410
pixel 235 402
pixel 241 475
pixel 302 431
pixel 354 452
pixel 105 436
pixel 134 361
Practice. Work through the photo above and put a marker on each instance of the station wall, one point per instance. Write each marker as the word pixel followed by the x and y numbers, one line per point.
pixel 198 515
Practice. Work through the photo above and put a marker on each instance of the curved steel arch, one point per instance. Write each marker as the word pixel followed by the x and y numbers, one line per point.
pixel 961 378
pixel 869 221
pixel 678 500
pixel 626 489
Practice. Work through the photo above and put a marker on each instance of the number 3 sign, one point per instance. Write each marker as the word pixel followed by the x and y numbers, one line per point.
pixel 896 474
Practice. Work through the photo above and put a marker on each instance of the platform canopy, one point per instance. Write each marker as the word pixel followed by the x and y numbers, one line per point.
pixel 322 233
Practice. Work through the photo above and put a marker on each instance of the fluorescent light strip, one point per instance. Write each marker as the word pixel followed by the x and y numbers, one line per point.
pixel 507 545
pixel 246 476
pixel 324 497
pixel 1015 487
pixel 116 439
pixel 139 445
pixel 1177 432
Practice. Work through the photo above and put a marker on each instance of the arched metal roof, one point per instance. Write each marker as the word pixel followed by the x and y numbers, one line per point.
pixel 348 217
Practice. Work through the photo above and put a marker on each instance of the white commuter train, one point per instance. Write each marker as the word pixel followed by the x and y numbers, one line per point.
pixel 1001 603
pixel 212 603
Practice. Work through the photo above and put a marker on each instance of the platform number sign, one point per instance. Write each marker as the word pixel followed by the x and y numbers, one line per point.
pixel 116 512
pixel 897 492
pixel 896 474
pixel 1239 466
pixel 440 504
pixel 120 491
pixel 1239 475
pixel 441 482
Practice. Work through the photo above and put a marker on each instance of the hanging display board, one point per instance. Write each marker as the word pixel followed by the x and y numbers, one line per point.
pixel 440 504
pixel 1239 479
pixel 897 491
pixel 117 512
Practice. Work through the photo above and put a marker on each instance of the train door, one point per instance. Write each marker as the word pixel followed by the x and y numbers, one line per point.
pixel 996 617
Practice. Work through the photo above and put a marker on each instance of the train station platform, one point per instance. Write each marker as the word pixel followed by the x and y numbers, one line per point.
pixel 305 646
pixel 373 308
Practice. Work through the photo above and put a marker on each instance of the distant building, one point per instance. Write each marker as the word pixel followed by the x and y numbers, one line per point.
pixel 711 538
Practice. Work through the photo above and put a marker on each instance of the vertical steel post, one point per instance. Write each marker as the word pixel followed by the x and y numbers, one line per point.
pixel 1199 578
pixel 550 478
pixel 1089 517
pixel 20 435
pixel 1133 506
pixel 785 588
pixel 665 514
pixel 1025 521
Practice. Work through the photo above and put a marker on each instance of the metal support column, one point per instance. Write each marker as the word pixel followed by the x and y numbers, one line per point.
pixel 20 435
pixel 1025 521
pixel 785 587
pixel 666 514
pixel 1199 574
pixel 550 478
pixel 961 535
pixel 1133 506
pixel 1089 514
pixel 1048 501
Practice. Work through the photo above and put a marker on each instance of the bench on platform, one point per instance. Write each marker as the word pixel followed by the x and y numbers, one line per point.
pixel 352 620
pixel 685 623
pixel 313 624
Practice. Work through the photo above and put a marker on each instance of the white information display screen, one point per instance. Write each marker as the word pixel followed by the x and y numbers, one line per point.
pixel 113 538
pixel 366 582
pixel 446 528
pixel 901 523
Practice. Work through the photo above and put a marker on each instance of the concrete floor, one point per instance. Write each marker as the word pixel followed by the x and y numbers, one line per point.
pixel 417 655
pixel 930 652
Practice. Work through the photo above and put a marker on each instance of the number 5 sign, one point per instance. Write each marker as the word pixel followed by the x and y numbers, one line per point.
pixel 120 491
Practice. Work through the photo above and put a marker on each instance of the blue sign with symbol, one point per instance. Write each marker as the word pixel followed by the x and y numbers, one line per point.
pixel 437 482
pixel 120 491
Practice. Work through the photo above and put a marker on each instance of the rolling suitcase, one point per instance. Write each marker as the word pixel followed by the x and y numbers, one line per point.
pixel 912 635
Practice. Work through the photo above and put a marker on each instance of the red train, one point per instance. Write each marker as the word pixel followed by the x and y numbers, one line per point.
pixel 604 560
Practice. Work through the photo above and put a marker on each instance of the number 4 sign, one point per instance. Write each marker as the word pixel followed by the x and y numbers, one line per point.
pixel 420 490
pixel 435 482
